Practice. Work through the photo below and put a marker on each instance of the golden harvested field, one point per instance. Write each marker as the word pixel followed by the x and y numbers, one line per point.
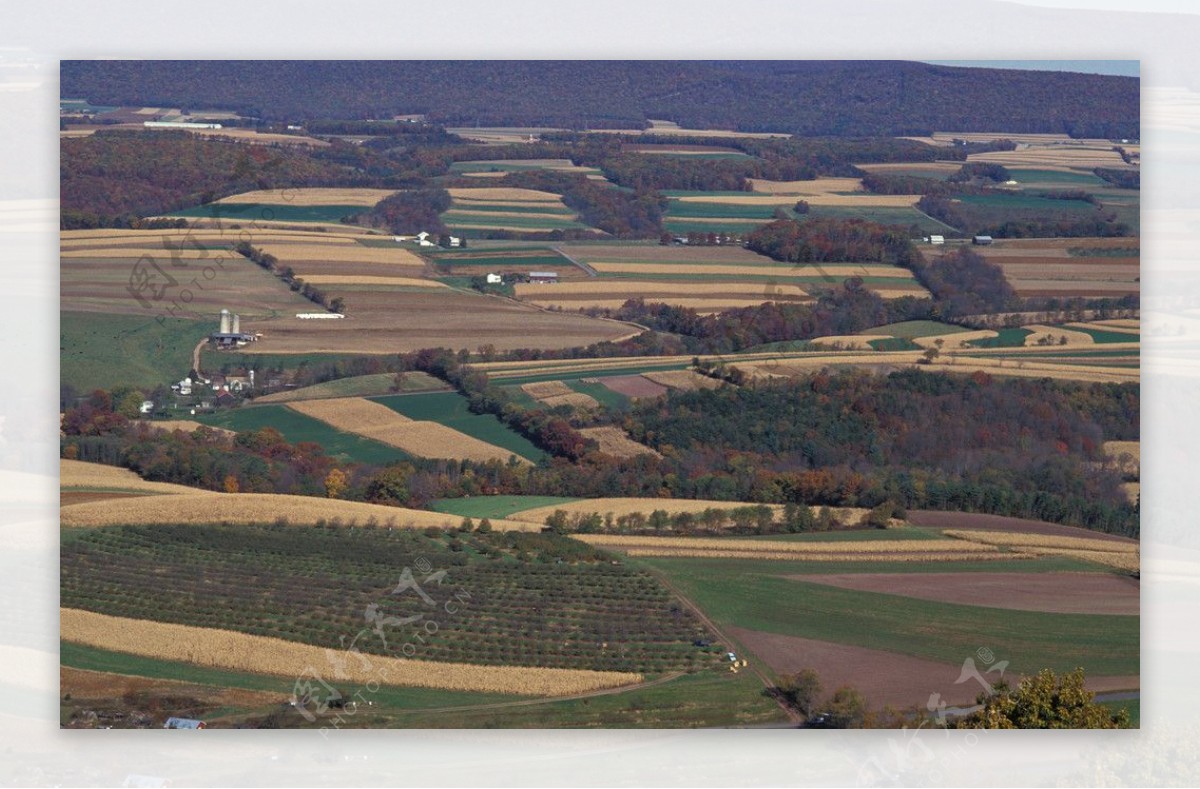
pixel 1115 449
pixel 614 441
pixel 574 399
pixel 294 254
pixel 787 367
pixel 488 194
pixel 1129 562
pixel 378 422
pixel 361 279
pixel 605 288
pixel 1025 540
pixel 311 196
pixel 159 239
pixel 816 186
pixel 225 649
pixel 188 426
pixel 1131 327
pixel 203 507
pixel 682 379
pixel 896 291
pixel 78 474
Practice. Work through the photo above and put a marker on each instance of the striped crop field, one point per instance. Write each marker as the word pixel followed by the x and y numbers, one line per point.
pixel 202 507
pixel 378 422
pixel 226 649
pixel 367 279
pixel 311 196
pixel 1038 541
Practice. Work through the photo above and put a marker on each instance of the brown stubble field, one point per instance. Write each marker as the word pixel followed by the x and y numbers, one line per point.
pixel 381 322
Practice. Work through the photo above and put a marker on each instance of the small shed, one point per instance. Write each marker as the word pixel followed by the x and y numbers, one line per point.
pixel 935 240
pixel 981 241
pixel 183 723
pixel 146 407
pixel 494 279
pixel 543 277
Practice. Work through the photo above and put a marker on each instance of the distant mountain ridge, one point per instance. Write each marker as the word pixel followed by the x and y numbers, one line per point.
pixel 842 98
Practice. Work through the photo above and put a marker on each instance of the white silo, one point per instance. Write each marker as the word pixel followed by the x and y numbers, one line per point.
pixel 224 322
pixel 237 324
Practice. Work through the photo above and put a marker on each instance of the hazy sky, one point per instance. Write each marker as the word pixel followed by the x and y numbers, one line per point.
pixel 1123 68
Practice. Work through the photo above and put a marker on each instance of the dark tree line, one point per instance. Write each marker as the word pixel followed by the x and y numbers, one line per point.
pixel 839 98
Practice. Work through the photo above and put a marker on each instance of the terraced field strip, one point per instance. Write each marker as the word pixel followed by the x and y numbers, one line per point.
pixel 770 201
pixel 1050 157
pixel 372 420
pixel 296 253
pixel 671 290
pixel 311 196
pixel 202 507
pixel 97 476
pixel 511 194
pixel 684 380
pixel 811 188
pixel 226 649
pixel 811 272
pixel 616 442
pixel 836 550
pixel 360 386
pixel 259 213
pixel 1025 540
pixel 375 281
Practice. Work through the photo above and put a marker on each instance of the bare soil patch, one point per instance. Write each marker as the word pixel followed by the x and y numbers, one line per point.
pixel 633 386
pixel 1059 593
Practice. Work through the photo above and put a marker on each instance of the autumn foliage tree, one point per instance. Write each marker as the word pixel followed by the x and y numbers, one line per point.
pixel 1044 701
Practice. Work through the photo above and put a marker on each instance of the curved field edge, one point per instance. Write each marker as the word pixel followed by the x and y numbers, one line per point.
pixel 244 508
pixel 223 649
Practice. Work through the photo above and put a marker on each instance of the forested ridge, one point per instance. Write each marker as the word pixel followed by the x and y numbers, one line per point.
pixel 803 97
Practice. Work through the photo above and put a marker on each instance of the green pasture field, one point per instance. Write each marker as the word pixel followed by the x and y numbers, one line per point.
pixel 1073 180
pixel 1005 338
pixel 456 216
pixel 911 329
pixel 450 409
pixel 364 386
pixel 766 601
pixel 296 427
pixel 102 351
pixel 272 212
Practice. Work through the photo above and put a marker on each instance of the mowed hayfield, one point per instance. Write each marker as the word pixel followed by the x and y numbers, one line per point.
pixel 390 321
pixel 177 285
pixel 264 655
pixel 452 410
pixel 204 507
pixel 379 423
pixel 488 168
pixel 1056 155
pixel 360 386
pixel 1068 267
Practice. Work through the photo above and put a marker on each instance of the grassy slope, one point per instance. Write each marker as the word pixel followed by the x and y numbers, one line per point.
pixel 450 409
pixel 911 329
pixel 937 631
pixel 272 212
pixel 495 506
pixel 297 427
pixel 361 386
pixel 103 351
